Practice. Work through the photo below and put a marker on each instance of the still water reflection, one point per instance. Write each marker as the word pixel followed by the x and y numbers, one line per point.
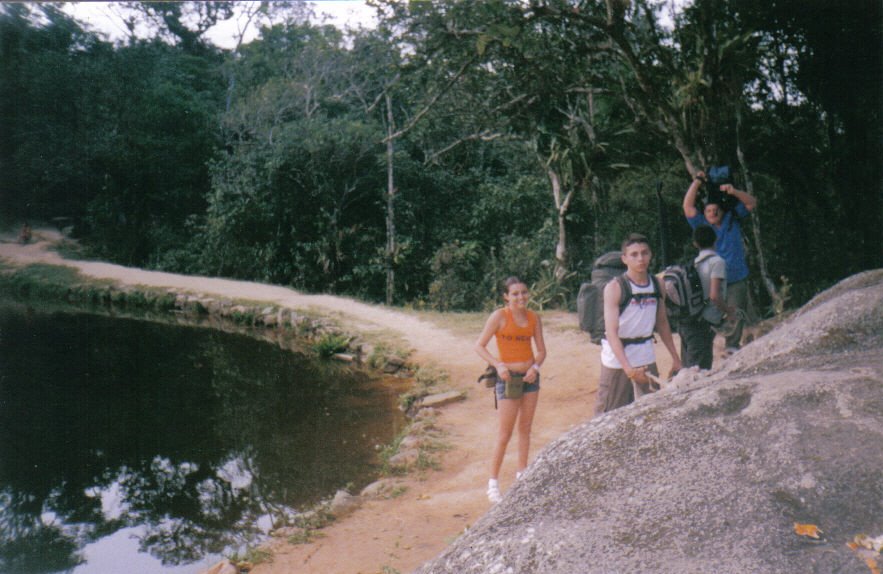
pixel 130 446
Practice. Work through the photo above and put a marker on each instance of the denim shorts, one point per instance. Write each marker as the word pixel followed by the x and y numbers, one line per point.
pixel 500 389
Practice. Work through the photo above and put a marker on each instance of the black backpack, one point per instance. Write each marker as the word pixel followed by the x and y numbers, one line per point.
pixel 590 300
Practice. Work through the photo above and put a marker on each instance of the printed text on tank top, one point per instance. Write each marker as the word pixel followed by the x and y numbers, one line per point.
pixel 636 325
pixel 514 340
pixel 640 294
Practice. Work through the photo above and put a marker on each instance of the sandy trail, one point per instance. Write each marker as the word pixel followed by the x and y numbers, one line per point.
pixel 398 535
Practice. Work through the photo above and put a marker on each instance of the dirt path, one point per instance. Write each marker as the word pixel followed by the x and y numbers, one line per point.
pixel 398 535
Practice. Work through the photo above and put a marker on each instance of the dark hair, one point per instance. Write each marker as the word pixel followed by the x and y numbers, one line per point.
pixel 632 239
pixel 509 282
pixel 704 237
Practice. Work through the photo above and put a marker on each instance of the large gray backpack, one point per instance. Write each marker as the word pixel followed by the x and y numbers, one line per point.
pixel 590 300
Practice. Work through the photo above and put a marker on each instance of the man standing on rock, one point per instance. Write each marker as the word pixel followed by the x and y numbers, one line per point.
pixel 729 242
pixel 634 306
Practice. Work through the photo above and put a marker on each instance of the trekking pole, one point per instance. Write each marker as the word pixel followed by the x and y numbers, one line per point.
pixel 654 379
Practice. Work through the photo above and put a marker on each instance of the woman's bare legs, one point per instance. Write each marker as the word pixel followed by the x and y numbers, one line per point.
pixel 525 422
pixel 508 409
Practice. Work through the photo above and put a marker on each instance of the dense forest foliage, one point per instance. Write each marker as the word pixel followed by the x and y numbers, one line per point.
pixel 453 144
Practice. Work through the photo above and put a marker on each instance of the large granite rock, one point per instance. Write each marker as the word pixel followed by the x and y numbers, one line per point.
pixel 711 474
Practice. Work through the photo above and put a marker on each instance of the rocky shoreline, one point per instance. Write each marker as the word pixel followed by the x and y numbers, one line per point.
pixel 287 328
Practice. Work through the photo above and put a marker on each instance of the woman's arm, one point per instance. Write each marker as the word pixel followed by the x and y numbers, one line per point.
pixel 491 326
pixel 540 355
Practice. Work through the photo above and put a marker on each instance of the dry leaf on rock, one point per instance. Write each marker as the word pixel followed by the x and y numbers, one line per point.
pixel 810 530
pixel 868 549
pixel 875 544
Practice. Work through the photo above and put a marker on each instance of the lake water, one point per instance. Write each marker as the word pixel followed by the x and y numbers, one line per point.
pixel 135 446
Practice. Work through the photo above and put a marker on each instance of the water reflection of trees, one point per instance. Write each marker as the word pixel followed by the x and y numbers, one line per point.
pixel 199 439
pixel 28 545
pixel 182 512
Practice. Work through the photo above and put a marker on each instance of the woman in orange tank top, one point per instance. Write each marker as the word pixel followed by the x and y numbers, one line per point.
pixel 517 331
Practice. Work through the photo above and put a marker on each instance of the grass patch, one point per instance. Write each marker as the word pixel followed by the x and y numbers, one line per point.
pixel 381 352
pixel 428 379
pixel 305 536
pixel 425 461
pixel 314 520
pixel 397 491
pixel 387 452
pixel 330 344
pixel 42 273
pixel 72 250
pixel 252 555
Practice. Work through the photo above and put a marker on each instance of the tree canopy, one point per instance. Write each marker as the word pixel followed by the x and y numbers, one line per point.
pixel 452 145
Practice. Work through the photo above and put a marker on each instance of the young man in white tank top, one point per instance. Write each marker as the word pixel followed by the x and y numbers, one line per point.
pixel 627 349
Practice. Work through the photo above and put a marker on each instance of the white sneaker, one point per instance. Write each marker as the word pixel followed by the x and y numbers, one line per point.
pixel 519 474
pixel 493 491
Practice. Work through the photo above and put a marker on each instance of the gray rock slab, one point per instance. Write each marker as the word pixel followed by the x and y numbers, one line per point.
pixel 441 399
pixel 712 475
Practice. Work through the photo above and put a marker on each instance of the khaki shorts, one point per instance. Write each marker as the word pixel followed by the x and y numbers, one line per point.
pixel 616 390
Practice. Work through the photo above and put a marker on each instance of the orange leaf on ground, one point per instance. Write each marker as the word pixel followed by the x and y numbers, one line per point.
pixel 810 530
pixel 868 556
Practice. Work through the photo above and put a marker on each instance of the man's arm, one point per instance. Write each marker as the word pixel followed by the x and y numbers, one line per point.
pixel 714 294
pixel 612 296
pixel 692 192
pixel 664 329
pixel 748 200
pixel 716 287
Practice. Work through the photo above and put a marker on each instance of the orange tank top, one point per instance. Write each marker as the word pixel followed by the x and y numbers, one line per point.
pixel 513 341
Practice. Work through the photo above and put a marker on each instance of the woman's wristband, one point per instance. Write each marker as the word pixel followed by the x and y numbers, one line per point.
pixel 535 367
pixel 502 367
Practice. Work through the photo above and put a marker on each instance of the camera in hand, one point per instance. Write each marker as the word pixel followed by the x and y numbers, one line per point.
pixel 719 175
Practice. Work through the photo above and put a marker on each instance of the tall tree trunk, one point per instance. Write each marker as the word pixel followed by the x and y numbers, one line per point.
pixel 778 297
pixel 561 207
pixel 390 206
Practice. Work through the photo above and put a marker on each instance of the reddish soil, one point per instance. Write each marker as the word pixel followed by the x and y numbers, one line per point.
pixel 399 534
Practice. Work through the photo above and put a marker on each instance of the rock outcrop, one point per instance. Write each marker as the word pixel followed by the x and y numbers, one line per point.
pixel 712 473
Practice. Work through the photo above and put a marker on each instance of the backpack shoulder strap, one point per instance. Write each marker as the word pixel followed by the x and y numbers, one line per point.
pixel 626 288
pixel 697 261
pixel 657 290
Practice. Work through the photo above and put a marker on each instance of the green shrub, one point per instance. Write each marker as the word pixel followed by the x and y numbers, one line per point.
pixel 461 281
pixel 550 291
pixel 331 343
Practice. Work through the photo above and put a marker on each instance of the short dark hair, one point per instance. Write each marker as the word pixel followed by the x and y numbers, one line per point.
pixel 704 237
pixel 634 238
pixel 509 282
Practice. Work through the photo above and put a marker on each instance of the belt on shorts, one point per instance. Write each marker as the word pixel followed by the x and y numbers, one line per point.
pixel 636 340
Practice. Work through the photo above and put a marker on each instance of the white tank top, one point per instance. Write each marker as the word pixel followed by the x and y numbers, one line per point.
pixel 637 320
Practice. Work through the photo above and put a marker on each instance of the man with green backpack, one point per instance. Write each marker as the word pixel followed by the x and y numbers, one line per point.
pixel 634 307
